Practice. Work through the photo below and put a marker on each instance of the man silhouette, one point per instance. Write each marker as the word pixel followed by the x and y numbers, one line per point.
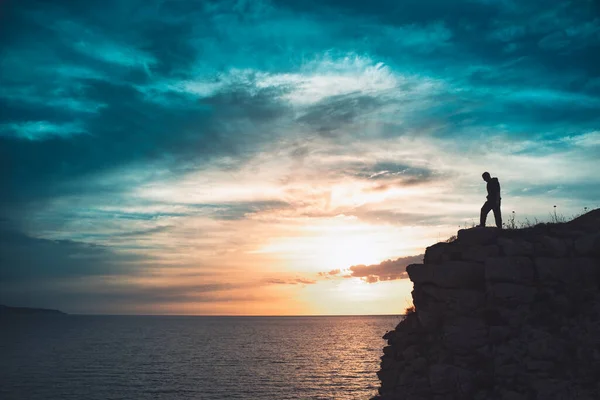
pixel 493 201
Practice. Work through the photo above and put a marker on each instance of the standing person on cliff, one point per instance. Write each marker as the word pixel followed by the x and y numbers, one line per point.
pixel 493 201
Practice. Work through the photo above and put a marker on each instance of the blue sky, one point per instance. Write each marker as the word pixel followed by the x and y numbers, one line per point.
pixel 239 157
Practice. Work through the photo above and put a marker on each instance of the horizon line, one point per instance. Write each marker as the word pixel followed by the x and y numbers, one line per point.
pixel 237 315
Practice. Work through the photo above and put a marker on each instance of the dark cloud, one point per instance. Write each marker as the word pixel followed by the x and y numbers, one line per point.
pixel 26 258
pixel 557 35
pixel 145 232
pixel 388 270
pixel 386 174
pixel 248 102
pixel 393 171
pixel 390 12
pixel 334 273
pixel 173 293
pixel 335 113
pixel 126 130
pixel 108 297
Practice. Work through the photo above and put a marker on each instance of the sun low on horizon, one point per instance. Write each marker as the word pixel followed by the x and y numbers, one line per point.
pixel 278 157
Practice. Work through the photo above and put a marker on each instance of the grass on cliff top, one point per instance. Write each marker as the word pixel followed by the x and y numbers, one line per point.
pixel 555 218
pixel 513 224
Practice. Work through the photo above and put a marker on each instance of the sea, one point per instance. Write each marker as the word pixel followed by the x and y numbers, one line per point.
pixel 178 357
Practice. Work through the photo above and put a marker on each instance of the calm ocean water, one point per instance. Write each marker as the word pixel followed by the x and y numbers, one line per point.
pixel 157 357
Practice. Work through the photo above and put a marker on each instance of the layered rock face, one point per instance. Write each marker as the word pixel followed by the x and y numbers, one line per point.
pixel 507 315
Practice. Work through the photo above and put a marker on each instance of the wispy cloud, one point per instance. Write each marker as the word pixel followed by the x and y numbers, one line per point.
pixel 40 130
pixel 291 281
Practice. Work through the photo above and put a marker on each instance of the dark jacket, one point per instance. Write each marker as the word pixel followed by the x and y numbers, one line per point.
pixel 493 189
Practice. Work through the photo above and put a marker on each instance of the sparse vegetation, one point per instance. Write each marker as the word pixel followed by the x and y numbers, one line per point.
pixel 513 223
pixel 554 218
pixel 557 218
pixel 451 239
pixel 468 226
pixel 510 224
pixel 410 307
pixel 528 224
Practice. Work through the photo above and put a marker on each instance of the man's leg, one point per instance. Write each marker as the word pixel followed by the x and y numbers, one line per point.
pixel 498 216
pixel 487 206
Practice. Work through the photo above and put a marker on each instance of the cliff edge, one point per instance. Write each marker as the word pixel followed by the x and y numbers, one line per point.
pixel 502 314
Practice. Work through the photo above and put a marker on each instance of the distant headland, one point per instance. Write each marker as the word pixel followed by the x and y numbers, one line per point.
pixel 10 311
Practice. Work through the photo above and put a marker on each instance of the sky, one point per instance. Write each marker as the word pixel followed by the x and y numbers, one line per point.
pixel 278 158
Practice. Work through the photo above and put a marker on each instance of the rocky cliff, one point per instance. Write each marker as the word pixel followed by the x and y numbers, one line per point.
pixel 507 315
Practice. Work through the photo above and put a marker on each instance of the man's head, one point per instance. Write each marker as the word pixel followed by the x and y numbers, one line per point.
pixel 486 176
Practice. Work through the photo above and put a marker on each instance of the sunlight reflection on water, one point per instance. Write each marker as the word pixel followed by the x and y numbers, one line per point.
pixel 114 357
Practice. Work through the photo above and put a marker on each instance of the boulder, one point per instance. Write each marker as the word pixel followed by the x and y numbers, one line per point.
pixel 511 294
pixel 478 236
pixel 430 318
pixel 464 334
pixel 588 245
pixel 498 334
pixel 446 379
pixel 457 301
pixel 515 247
pixel 420 273
pixel 451 274
pixel 552 270
pixel 509 269
pixel 480 253
pixel 539 367
pixel 541 345
pixel 588 271
pixel 507 370
pixel 551 247
pixel 516 316
pixel 420 364
pixel 548 389
pixel 437 253
pixel 411 352
pixel 388 351
pixel 389 378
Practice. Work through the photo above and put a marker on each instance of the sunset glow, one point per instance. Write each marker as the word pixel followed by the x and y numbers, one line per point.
pixel 235 158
